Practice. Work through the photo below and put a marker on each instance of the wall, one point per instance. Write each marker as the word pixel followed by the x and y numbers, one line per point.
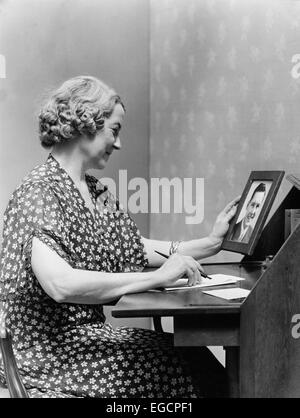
pixel 45 42
pixel 225 98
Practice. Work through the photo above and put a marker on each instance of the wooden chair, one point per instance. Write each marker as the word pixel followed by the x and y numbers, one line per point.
pixel 14 382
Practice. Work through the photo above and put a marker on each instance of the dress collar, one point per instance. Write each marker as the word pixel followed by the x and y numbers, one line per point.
pixel 95 186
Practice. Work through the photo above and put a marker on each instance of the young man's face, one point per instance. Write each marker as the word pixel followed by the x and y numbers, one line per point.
pixel 253 206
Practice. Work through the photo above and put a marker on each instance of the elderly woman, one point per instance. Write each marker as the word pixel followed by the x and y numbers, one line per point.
pixel 68 248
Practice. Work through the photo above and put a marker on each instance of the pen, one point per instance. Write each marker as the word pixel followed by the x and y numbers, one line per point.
pixel 166 256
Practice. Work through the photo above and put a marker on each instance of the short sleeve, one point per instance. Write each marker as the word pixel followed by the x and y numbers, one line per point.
pixel 34 211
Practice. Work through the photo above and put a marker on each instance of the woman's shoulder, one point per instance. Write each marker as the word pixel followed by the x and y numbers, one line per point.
pixel 38 179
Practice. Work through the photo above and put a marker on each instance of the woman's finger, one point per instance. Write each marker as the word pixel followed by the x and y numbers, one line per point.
pixel 198 277
pixel 233 203
pixel 194 264
pixel 199 267
pixel 194 278
pixel 190 275
pixel 230 214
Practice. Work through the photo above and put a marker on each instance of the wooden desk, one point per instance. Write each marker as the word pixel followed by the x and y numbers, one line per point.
pixel 199 319
pixel 262 356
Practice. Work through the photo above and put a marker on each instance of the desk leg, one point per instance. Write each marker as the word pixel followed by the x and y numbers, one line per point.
pixel 233 370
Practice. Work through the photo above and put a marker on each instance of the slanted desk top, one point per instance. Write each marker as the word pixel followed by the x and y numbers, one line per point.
pixel 188 301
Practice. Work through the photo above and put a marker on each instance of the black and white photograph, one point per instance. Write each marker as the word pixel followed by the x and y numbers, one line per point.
pixel 149 161
pixel 245 223
pixel 253 209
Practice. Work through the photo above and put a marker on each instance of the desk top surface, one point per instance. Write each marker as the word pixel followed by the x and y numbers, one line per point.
pixel 189 301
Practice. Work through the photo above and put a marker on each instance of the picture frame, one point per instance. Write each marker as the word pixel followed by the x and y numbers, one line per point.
pixel 252 211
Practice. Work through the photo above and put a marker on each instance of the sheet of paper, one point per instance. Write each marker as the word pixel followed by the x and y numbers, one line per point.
pixel 216 280
pixel 229 294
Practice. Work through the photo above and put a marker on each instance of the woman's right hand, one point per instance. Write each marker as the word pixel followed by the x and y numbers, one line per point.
pixel 177 266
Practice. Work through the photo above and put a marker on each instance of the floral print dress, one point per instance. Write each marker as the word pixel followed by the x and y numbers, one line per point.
pixel 65 349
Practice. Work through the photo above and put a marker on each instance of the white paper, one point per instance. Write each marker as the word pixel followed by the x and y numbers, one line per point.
pixel 216 280
pixel 229 294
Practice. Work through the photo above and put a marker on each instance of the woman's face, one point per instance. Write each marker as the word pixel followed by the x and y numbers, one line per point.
pixel 99 148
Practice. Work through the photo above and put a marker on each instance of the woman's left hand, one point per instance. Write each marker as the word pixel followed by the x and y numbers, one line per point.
pixel 221 225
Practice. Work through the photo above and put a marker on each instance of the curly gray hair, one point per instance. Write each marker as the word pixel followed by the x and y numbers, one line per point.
pixel 79 106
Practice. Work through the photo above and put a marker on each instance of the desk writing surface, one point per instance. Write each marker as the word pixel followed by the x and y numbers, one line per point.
pixel 189 301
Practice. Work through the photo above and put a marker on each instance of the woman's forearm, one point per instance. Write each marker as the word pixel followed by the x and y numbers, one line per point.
pixel 197 248
pixel 65 284
pixel 200 248
pixel 93 287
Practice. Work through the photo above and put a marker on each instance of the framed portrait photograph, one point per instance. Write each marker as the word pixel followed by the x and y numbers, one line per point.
pixel 252 211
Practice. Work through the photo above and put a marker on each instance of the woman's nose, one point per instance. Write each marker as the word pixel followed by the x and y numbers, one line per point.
pixel 117 144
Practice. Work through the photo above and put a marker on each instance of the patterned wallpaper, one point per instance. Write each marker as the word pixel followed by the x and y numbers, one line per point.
pixel 225 98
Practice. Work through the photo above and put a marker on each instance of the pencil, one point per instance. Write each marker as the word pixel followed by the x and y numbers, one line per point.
pixel 166 256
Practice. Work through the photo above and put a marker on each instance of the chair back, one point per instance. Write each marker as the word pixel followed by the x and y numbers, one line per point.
pixel 13 379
